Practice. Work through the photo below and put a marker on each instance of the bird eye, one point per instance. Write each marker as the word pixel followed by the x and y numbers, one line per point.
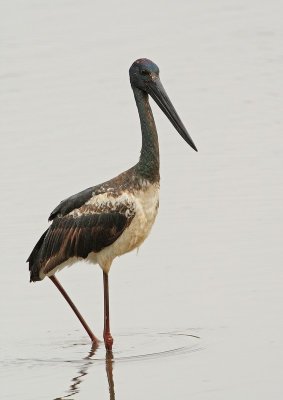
pixel 145 72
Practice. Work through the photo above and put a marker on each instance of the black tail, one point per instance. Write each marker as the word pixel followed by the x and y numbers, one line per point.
pixel 34 259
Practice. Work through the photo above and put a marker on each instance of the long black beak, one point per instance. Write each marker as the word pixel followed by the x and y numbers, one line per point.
pixel 159 95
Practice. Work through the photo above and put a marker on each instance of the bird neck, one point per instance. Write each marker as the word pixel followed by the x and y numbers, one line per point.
pixel 148 165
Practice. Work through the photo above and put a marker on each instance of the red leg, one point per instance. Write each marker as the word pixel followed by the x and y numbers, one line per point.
pixel 108 340
pixel 74 308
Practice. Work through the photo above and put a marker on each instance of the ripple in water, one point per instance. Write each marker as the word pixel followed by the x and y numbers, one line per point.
pixel 127 347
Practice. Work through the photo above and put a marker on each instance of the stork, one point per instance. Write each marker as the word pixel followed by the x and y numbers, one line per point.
pixel 115 217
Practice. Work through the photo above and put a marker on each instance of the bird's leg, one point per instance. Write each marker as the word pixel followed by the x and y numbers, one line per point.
pixel 108 340
pixel 74 308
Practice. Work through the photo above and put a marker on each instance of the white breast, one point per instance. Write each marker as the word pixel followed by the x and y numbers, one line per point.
pixel 146 206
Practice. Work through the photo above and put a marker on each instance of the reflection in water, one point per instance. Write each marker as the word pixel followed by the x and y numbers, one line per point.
pixel 83 371
pixel 109 371
pixel 130 348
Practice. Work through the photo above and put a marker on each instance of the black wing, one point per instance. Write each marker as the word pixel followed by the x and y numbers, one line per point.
pixel 71 236
pixel 114 186
pixel 71 203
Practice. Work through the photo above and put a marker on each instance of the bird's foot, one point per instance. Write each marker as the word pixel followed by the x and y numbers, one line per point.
pixel 108 340
pixel 95 342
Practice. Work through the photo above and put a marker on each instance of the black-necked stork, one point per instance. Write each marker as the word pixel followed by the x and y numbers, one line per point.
pixel 115 217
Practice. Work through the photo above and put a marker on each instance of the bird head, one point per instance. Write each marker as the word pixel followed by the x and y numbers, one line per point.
pixel 144 75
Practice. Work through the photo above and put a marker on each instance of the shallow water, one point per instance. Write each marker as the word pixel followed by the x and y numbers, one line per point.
pixel 197 313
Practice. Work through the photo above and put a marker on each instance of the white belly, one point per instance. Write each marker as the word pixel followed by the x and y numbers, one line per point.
pixel 147 202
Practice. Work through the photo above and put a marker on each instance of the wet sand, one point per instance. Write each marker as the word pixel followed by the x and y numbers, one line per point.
pixel 197 313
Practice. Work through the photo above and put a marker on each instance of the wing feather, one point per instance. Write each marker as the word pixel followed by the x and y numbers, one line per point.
pixel 77 236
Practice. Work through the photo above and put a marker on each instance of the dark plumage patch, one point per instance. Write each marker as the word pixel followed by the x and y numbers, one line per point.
pixel 71 203
pixel 70 237
pixel 34 256
pixel 129 180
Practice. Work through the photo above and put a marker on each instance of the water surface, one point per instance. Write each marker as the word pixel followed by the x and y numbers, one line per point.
pixel 197 313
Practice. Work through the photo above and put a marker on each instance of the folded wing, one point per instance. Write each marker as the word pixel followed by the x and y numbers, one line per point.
pixel 77 236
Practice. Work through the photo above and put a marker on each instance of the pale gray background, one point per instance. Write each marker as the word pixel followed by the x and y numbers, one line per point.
pixel 212 265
